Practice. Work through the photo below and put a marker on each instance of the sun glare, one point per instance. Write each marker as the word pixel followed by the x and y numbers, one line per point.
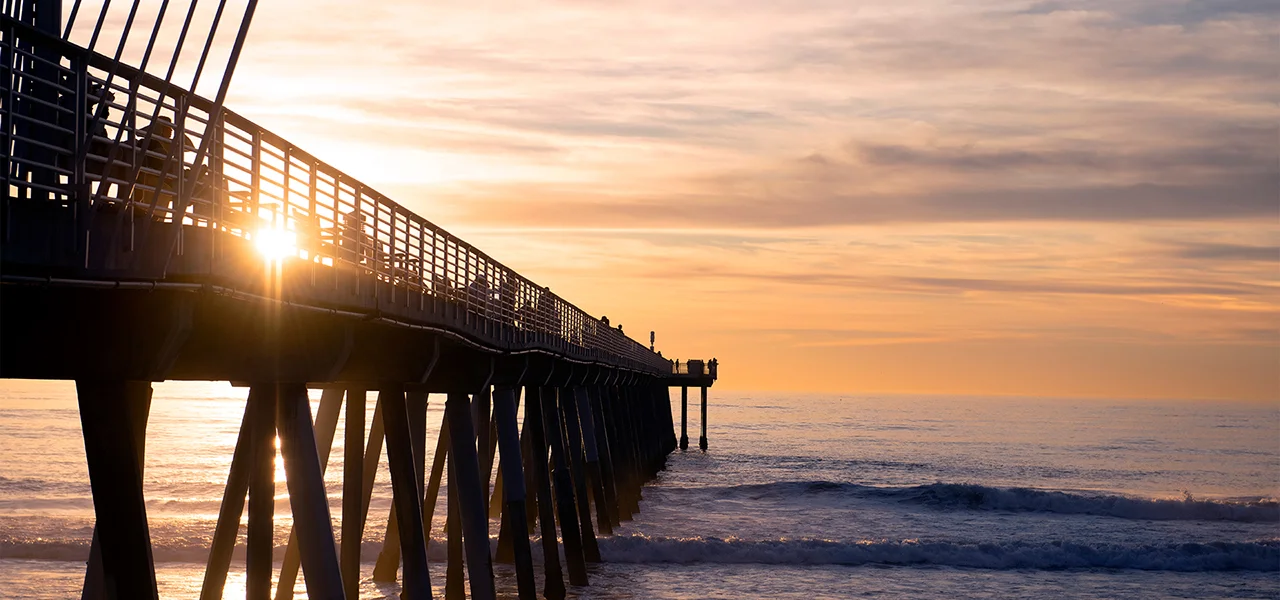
pixel 276 244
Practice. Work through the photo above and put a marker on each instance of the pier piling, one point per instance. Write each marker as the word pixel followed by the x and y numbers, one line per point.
pixel 353 493
pixel 475 521
pixel 262 469
pixel 684 417
pixel 111 414
pixel 307 498
pixel 702 440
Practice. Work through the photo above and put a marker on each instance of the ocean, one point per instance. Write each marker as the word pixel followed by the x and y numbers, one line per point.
pixel 801 496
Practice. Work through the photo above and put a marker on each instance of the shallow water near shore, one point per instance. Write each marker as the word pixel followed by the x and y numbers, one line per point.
pixel 800 496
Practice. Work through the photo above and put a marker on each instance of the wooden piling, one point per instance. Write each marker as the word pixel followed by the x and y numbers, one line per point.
pixel 307 498
pixel 562 481
pixel 353 493
pixel 504 418
pixel 684 417
pixel 475 521
pixel 94 580
pixel 576 458
pixel 326 426
pixel 702 440
pixel 553 586
pixel 592 455
pixel 109 412
pixel 405 495
pixel 232 507
pixel 606 457
pixel 262 469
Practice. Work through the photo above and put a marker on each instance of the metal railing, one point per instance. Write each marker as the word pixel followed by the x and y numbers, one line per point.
pixel 696 367
pixel 116 143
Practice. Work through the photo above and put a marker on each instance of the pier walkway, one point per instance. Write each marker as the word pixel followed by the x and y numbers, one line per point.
pixel 151 234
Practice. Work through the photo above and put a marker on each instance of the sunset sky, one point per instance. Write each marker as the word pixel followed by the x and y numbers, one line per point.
pixel 1052 198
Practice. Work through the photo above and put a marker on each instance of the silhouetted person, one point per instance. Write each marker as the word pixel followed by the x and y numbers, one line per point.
pixel 354 242
pixel 604 320
pixel 507 299
pixel 478 295
pixel 158 140
pixel 547 313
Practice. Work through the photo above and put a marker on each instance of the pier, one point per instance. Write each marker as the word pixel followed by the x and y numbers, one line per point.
pixel 152 234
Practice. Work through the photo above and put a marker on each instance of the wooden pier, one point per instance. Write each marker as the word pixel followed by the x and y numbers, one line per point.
pixel 151 234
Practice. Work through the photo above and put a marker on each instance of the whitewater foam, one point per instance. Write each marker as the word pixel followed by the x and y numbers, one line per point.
pixel 1019 499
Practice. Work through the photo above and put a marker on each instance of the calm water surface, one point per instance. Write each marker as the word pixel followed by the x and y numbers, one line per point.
pixel 801 496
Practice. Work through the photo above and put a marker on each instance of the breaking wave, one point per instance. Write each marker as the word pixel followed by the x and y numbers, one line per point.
pixel 1221 556
pixel 981 497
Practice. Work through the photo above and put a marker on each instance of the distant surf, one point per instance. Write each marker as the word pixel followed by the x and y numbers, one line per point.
pixel 1018 499
pixel 1223 556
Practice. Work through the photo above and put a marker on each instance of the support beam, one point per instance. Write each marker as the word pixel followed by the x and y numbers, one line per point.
pixel 389 558
pixel 307 498
pixel 262 489
pixel 224 534
pixel 326 426
pixel 455 586
pixel 475 521
pixel 108 413
pixel 513 492
pixel 438 463
pixel 592 455
pixel 553 586
pixel 684 417
pixel 702 441
pixel 603 442
pixel 576 457
pixel 400 459
pixel 372 454
pixel 562 479
pixel 94 581
pixel 352 493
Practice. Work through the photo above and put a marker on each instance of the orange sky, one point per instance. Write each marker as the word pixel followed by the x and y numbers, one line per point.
pixel 1055 198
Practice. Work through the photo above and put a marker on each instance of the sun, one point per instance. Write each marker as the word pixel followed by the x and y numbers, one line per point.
pixel 276 244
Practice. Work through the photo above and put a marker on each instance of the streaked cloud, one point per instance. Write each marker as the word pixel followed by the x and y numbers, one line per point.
pixel 1069 190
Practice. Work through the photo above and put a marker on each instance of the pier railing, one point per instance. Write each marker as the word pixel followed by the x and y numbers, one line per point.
pixel 109 141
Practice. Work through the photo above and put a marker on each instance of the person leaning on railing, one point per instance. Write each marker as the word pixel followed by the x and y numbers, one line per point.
pixel 157 140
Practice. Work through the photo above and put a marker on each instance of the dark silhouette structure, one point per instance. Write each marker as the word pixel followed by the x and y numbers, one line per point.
pixel 150 234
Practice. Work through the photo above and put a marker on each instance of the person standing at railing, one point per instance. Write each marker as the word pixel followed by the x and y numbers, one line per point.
pixel 353 240
pixel 507 300
pixel 479 295
pixel 157 141
pixel 548 317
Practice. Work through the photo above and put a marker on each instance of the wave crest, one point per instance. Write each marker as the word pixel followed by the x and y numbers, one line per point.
pixel 981 497
pixel 1218 556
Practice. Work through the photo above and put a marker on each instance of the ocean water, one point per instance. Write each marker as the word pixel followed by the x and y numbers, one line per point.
pixel 800 496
